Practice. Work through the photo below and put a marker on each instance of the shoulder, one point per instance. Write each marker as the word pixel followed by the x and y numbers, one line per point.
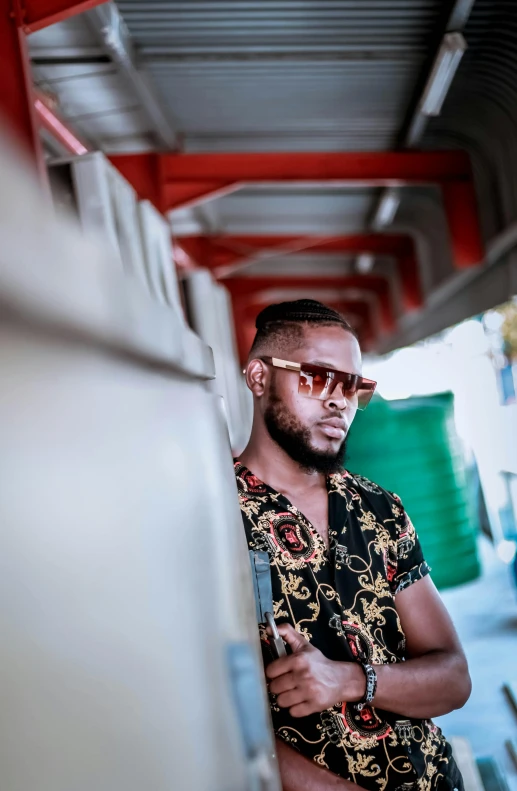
pixel 254 496
pixel 369 492
pixel 247 483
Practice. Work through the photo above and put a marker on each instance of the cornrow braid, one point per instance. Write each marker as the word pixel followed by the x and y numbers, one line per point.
pixel 305 310
pixel 282 324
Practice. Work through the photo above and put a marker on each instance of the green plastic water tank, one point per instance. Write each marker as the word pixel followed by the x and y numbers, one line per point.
pixel 411 447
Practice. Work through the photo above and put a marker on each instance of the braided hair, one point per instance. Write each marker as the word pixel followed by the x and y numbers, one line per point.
pixel 282 325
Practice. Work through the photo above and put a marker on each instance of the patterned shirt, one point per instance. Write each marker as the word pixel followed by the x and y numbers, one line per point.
pixel 343 601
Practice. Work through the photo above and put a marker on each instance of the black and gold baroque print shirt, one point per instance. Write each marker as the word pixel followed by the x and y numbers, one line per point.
pixel 343 602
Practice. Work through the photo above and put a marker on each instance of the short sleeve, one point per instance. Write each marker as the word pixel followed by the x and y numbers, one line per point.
pixel 411 565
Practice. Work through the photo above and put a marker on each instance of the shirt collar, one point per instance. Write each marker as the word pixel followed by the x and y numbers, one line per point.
pixel 250 485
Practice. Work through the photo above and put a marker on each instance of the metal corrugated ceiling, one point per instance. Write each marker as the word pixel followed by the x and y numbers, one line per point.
pixel 480 112
pixel 289 211
pixel 69 63
pixel 254 75
pixel 285 74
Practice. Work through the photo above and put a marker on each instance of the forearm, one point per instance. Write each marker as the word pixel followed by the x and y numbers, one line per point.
pixel 429 686
pixel 301 774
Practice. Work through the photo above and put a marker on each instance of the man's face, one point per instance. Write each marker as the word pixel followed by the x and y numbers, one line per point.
pixel 313 432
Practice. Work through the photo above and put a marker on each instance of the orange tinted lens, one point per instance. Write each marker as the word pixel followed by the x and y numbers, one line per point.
pixel 365 394
pixel 315 384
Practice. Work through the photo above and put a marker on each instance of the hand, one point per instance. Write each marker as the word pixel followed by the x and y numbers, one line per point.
pixel 307 682
pixel 299 773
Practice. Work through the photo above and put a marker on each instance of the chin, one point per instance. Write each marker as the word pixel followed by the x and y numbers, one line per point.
pixel 329 448
pixel 328 445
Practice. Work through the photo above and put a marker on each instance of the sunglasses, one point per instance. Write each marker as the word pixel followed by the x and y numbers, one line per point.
pixel 318 382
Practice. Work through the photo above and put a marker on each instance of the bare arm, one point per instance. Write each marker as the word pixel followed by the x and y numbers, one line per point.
pixel 435 678
pixel 433 681
pixel 300 774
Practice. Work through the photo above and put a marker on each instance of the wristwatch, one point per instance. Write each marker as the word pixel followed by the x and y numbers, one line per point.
pixel 371 686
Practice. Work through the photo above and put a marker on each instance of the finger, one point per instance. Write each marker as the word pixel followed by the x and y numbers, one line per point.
pixel 292 698
pixel 295 640
pixel 282 684
pixel 280 666
pixel 301 710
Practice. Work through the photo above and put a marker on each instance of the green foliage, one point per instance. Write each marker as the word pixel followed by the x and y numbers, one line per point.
pixel 509 329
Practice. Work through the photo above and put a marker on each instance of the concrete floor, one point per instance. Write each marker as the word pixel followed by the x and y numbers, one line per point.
pixel 485 615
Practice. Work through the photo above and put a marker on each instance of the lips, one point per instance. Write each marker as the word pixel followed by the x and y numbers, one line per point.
pixel 334 427
pixel 335 422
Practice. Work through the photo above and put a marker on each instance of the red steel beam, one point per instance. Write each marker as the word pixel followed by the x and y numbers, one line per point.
pixel 193 178
pixel 144 173
pixel 186 194
pixel 50 121
pixel 221 252
pixel 38 14
pixel 245 290
pixel 187 179
pixel 183 174
pixel 16 91
pixel 386 168
pixel 227 254
pixel 23 109
pixel 351 309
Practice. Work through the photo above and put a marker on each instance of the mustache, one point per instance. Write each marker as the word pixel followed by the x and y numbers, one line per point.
pixel 295 439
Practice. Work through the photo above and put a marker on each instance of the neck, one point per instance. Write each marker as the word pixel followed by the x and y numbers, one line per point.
pixel 269 462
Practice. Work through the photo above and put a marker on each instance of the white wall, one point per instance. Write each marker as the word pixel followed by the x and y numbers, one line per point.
pixel 125 579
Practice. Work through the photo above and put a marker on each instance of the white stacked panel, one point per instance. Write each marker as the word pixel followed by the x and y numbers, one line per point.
pixel 125 579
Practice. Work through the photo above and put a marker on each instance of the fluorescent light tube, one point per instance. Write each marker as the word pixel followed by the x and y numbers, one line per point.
pixel 364 263
pixel 387 208
pixel 442 74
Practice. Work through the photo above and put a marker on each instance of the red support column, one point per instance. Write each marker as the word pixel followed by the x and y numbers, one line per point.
pixel 16 92
pixel 410 281
pixel 244 330
pixel 144 173
pixel 197 248
pixel 460 204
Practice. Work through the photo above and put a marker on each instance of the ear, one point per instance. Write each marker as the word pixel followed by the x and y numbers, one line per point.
pixel 256 377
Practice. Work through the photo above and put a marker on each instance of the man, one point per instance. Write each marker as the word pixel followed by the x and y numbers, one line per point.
pixel 373 653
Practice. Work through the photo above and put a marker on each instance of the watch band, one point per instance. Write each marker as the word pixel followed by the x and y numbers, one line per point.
pixel 371 686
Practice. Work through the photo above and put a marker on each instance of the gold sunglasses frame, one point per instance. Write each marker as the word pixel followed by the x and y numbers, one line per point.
pixel 298 368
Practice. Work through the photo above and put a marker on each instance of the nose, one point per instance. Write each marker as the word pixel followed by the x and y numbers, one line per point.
pixel 337 398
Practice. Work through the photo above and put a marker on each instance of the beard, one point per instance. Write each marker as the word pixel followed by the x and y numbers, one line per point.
pixel 295 439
